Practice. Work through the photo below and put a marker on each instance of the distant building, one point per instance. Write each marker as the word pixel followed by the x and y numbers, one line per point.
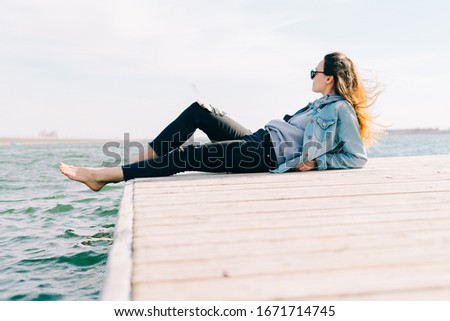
pixel 46 134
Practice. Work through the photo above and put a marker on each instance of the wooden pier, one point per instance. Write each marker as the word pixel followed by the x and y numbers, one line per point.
pixel 377 233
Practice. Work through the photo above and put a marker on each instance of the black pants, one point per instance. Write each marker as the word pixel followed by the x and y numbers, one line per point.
pixel 233 148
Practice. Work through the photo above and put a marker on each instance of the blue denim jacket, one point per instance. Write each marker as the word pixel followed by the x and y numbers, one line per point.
pixel 331 138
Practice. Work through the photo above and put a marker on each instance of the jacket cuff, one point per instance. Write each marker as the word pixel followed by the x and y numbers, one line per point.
pixel 321 162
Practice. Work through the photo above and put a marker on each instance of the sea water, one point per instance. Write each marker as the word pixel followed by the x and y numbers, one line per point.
pixel 56 234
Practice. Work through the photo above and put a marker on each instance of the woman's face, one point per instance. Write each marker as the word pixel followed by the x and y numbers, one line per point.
pixel 322 83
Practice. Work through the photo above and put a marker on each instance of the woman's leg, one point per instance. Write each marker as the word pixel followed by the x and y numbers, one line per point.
pixel 147 153
pixel 214 123
pixel 238 156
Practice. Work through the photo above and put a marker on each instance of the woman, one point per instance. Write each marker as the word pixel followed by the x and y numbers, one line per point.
pixel 329 133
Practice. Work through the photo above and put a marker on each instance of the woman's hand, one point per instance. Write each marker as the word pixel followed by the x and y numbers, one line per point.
pixel 306 166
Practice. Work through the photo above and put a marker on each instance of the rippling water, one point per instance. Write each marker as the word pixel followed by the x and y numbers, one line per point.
pixel 56 234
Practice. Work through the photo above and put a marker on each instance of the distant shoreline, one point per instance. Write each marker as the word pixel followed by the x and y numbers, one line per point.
pixel 43 140
pixel 199 138
pixel 416 131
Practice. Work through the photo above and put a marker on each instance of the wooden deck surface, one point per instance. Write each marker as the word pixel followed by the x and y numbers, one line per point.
pixel 378 233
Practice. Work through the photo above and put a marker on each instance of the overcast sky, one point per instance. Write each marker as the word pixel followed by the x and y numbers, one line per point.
pixel 104 68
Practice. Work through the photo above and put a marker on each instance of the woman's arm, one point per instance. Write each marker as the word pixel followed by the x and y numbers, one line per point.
pixel 350 151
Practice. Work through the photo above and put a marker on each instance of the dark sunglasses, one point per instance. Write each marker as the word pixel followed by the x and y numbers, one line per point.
pixel 315 72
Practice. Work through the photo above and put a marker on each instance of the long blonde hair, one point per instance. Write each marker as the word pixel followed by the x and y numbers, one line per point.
pixel 348 84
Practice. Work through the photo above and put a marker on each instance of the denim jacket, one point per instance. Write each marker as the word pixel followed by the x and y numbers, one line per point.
pixel 331 138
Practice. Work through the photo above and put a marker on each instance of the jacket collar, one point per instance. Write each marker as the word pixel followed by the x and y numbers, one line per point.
pixel 327 99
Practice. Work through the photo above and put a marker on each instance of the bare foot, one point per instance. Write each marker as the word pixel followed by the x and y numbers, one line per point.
pixel 87 175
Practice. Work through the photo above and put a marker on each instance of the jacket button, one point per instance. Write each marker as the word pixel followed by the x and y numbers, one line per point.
pixel 309 137
pixel 318 109
pixel 312 120
pixel 324 124
pixel 306 154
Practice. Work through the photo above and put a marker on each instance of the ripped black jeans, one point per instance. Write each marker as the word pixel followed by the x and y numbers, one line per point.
pixel 233 148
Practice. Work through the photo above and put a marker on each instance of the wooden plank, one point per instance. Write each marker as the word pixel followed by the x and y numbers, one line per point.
pixel 373 214
pixel 120 265
pixel 319 177
pixel 272 235
pixel 326 205
pixel 292 262
pixel 298 224
pixel 314 285
pixel 300 245
pixel 297 193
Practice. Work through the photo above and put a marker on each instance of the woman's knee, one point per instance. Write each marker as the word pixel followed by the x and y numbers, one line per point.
pixel 195 110
pixel 206 106
pixel 196 105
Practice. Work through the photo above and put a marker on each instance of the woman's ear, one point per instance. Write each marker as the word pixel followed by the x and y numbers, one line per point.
pixel 330 79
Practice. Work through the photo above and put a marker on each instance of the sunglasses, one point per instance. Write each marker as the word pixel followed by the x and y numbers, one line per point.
pixel 315 72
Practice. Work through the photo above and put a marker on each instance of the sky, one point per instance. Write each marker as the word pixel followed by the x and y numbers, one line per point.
pixel 99 69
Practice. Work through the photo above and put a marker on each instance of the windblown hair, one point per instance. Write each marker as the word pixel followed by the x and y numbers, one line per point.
pixel 348 84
